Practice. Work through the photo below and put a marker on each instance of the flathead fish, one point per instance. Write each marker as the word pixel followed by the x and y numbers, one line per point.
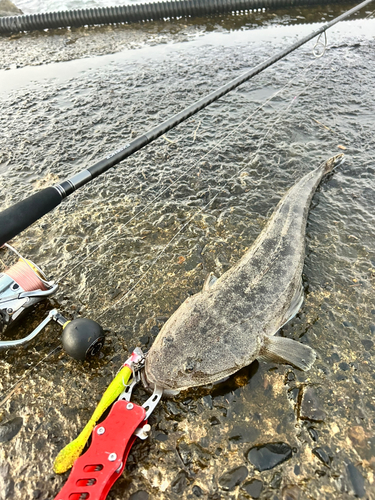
pixel 233 321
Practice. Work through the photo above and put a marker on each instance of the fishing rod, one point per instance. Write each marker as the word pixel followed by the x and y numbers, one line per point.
pixel 21 215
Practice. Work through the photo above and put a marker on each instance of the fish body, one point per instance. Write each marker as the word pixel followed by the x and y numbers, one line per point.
pixel 231 323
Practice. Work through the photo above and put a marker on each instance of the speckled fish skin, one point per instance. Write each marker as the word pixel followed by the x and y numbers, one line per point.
pixel 230 324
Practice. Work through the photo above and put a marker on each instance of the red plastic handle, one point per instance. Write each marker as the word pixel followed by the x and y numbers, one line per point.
pixel 94 473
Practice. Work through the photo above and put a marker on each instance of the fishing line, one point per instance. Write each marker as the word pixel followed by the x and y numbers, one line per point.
pixel 193 165
pixel 14 387
pixel 252 156
pixel 281 113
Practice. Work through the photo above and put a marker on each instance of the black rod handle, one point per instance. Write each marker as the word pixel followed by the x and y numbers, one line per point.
pixel 20 216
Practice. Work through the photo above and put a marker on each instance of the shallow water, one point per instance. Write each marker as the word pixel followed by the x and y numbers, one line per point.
pixel 59 118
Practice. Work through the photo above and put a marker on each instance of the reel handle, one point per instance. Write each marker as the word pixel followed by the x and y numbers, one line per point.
pixel 20 216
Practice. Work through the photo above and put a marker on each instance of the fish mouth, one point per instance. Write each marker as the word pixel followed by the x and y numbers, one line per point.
pixel 339 159
pixel 149 386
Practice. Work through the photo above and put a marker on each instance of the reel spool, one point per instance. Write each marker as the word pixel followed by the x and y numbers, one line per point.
pixel 23 285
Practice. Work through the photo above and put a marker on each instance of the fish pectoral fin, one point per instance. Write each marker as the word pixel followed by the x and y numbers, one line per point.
pixel 295 305
pixel 283 350
pixel 209 282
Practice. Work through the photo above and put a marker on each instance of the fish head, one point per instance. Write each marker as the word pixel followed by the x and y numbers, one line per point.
pixel 198 345
pixel 173 361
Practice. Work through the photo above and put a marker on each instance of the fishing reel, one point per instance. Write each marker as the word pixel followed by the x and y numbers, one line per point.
pixel 23 285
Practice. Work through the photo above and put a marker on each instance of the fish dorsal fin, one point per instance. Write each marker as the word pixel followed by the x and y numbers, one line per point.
pixel 295 305
pixel 209 282
pixel 283 350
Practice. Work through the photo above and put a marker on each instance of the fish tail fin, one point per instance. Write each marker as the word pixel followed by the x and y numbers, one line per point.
pixel 283 350
pixel 333 162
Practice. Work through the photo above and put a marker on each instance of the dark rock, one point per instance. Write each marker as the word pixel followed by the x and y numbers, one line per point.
pixel 253 488
pixel 335 357
pixel 207 401
pixel 179 483
pixel 297 470
pixel 139 495
pixel 161 436
pixel 233 478
pixel 154 331
pixel 367 344
pixel 214 421
pixel 313 434
pixel 275 482
pixel 357 480
pixel 344 366
pixel 324 454
pixel 172 409
pixel 372 328
pixel 268 456
pixel 310 408
pixel 197 491
pixel 290 376
pixel 10 429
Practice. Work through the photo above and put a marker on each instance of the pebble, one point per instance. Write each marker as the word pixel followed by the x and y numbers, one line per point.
pixel 229 480
pixel 197 491
pixel 214 421
pixel 367 344
pixel 10 429
pixel 324 454
pixel 179 483
pixel 268 456
pixel 310 408
pixel 344 366
pixel 356 479
pixel 276 480
pixel 313 434
pixel 207 401
pixel 253 488
pixel 172 409
pixel 161 436
pixel 335 357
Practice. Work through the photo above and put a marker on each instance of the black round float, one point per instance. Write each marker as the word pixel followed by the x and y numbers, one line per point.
pixel 82 338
